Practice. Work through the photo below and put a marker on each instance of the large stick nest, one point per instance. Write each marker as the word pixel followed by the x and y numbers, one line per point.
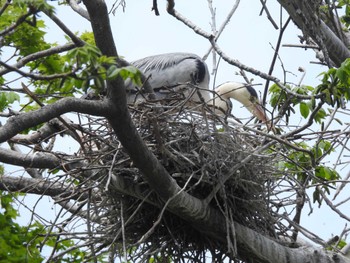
pixel 209 157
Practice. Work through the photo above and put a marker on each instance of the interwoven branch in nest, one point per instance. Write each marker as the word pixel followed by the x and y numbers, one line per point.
pixel 206 155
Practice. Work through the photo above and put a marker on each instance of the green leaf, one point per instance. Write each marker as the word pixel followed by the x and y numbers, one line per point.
pixel 126 72
pixel 320 115
pixel 304 109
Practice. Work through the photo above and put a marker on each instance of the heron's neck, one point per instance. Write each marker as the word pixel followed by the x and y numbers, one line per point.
pixel 228 91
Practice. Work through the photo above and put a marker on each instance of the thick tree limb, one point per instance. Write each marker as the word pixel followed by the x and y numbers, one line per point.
pixel 18 123
pixel 39 187
pixel 305 16
pixel 37 160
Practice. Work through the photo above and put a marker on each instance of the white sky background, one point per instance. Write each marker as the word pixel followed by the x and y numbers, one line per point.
pixel 248 37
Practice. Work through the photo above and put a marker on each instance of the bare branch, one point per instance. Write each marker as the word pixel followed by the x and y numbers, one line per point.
pixel 38 186
pixel 177 15
pixel 23 121
pixel 37 159
pixel 77 8
pixel 76 40
pixel 44 53
pixel 35 76
pixel 222 27
pixel 278 44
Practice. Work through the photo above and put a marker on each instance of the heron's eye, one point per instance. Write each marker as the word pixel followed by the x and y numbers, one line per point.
pixel 253 99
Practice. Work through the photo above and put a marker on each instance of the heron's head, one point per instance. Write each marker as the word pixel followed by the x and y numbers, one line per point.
pixel 246 95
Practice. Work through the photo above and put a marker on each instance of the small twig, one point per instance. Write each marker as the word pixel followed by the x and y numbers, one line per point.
pixel 155 8
pixel 269 17
pixel 178 16
pixel 110 172
pixel 35 76
pixel 125 255
pixel 331 206
pixel 76 40
pixel 301 46
pixel 35 98
pixel 222 27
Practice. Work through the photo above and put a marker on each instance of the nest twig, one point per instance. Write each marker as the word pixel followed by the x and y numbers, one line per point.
pixel 206 155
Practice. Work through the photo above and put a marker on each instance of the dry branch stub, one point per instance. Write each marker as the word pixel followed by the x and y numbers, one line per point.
pixel 199 149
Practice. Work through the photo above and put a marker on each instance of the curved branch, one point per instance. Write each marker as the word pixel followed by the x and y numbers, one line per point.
pixel 39 187
pixel 44 53
pixel 18 123
pixel 61 125
pixel 36 76
pixel 65 29
pixel 238 64
pixel 37 160
pixel 178 16
pixel 77 8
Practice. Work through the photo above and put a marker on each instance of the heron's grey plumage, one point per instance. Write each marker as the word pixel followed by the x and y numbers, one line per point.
pixel 171 73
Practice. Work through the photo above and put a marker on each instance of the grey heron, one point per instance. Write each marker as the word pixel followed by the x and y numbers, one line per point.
pixel 172 72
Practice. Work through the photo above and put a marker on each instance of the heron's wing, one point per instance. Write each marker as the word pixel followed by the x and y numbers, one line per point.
pixel 172 69
pixel 166 73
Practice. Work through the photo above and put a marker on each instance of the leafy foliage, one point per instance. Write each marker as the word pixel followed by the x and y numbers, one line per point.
pixel 7 98
pixel 18 243
pixel 306 163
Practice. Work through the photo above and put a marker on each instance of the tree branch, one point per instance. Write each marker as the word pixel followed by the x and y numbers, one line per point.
pixel 18 123
pixel 17 23
pixel 39 187
pixel 77 8
pixel 305 16
pixel 37 159
pixel 171 10
pixel 36 76
pixel 76 40
pixel 44 53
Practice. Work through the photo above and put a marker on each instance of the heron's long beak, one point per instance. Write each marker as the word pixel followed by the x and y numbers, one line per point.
pixel 259 112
